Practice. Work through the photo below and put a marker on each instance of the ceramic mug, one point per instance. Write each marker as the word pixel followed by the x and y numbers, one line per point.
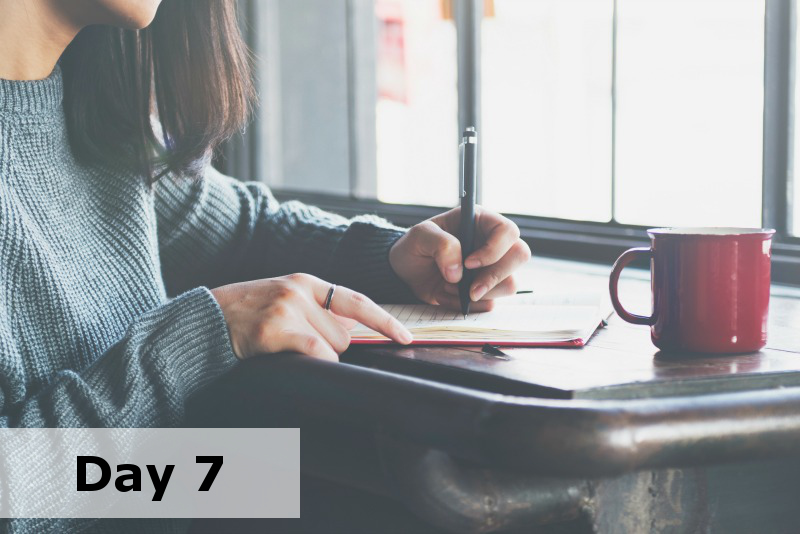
pixel 710 288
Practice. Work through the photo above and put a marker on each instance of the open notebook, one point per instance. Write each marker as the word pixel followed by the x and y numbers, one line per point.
pixel 517 321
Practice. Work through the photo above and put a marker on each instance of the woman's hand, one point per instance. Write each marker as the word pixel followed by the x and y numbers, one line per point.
pixel 428 258
pixel 288 314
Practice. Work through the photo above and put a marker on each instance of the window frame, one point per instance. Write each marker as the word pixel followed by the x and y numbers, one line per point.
pixel 597 242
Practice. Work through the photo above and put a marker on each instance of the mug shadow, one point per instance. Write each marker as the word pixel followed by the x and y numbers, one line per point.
pixel 700 364
pixel 679 355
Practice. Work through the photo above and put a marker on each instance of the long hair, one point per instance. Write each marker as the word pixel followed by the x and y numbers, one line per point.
pixel 190 65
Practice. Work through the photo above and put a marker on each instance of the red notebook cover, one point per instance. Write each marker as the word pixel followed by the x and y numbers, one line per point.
pixel 578 342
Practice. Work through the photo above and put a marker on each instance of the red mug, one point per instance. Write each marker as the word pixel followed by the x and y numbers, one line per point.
pixel 710 288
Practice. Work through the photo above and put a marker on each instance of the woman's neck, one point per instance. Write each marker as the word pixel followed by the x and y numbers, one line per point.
pixel 33 35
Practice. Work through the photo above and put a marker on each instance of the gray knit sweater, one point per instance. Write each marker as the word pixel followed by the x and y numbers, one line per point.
pixel 91 256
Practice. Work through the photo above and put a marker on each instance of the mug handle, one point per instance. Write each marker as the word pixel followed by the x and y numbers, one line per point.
pixel 622 262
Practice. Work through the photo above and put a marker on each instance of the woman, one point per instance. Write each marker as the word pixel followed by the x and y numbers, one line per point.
pixel 103 217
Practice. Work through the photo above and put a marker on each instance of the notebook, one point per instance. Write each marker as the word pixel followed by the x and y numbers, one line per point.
pixel 524 321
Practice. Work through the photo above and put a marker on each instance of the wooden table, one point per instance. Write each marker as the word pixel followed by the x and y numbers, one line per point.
pixel 619 362
pixel 612 437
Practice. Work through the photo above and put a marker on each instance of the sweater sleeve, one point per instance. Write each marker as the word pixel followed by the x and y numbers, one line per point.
pixel 143 380
pixel 216 230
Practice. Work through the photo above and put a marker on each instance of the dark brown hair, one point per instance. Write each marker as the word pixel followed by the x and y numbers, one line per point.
pixel 190 65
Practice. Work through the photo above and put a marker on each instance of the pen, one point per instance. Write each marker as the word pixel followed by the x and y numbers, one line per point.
pixel 466 191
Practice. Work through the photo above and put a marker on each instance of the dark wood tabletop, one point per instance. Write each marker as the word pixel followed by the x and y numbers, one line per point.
pixel 472 442
pixel 618 362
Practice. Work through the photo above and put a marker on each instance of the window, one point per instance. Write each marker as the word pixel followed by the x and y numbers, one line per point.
pixel 417 107
pixel 688 120
pixel 689 111
pixel 546 108
pixel 598 118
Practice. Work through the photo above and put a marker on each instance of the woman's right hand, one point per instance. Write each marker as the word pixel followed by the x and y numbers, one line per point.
pixel 288 314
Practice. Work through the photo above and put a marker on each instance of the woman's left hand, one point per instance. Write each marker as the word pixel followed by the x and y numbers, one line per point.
pixel 428 259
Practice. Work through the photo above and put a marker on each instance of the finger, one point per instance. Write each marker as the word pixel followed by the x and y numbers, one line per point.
pixel 309 342
pixel 449 220
pixel 353 305
pixel 506 288
pixel 443 247
pixel 318 290
pixel 450 289
pixel 500 234
pixel 452 302
pixel 488 278
pixel 346 322
pixel 331 330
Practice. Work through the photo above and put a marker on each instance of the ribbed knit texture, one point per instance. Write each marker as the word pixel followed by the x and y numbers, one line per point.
pixel 90 256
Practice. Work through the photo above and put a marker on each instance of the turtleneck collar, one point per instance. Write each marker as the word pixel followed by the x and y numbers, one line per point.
pixel 32 97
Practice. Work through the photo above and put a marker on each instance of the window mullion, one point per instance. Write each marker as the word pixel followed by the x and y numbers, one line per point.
pixel 614 112
pixel 468 15
pixel 778 108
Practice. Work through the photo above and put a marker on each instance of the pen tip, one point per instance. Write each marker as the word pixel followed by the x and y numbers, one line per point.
pixel 465 316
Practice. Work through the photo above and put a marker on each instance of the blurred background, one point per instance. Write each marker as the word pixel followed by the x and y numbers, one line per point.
pixel 597 118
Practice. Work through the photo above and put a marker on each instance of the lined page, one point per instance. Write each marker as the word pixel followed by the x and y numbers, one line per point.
pixel 506 321
pixel 543 298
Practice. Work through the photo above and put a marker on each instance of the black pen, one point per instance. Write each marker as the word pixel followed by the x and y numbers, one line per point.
pixel 466 191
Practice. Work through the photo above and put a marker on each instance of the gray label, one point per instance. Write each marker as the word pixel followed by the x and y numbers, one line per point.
pixel 259 474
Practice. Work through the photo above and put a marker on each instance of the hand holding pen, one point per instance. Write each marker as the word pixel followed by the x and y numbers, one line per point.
pixel 430 260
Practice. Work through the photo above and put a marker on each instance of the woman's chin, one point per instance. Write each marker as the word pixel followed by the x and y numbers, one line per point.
pixel 130 14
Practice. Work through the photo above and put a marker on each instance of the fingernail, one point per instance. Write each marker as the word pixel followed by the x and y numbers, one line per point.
pixel 472 263
pixel 479 292
pixel 405 337
pixel 452 273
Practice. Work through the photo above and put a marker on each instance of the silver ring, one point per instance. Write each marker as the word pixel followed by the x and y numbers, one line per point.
pixel 329 298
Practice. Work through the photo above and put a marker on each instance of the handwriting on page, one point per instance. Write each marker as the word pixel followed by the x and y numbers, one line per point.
pixel 413 315
pixel 509 318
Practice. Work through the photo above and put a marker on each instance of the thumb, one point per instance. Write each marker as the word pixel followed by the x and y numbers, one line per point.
pixel 443 247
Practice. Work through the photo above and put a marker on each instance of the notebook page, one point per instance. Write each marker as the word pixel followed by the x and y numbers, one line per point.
pixel 511 319
pixel 540 298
